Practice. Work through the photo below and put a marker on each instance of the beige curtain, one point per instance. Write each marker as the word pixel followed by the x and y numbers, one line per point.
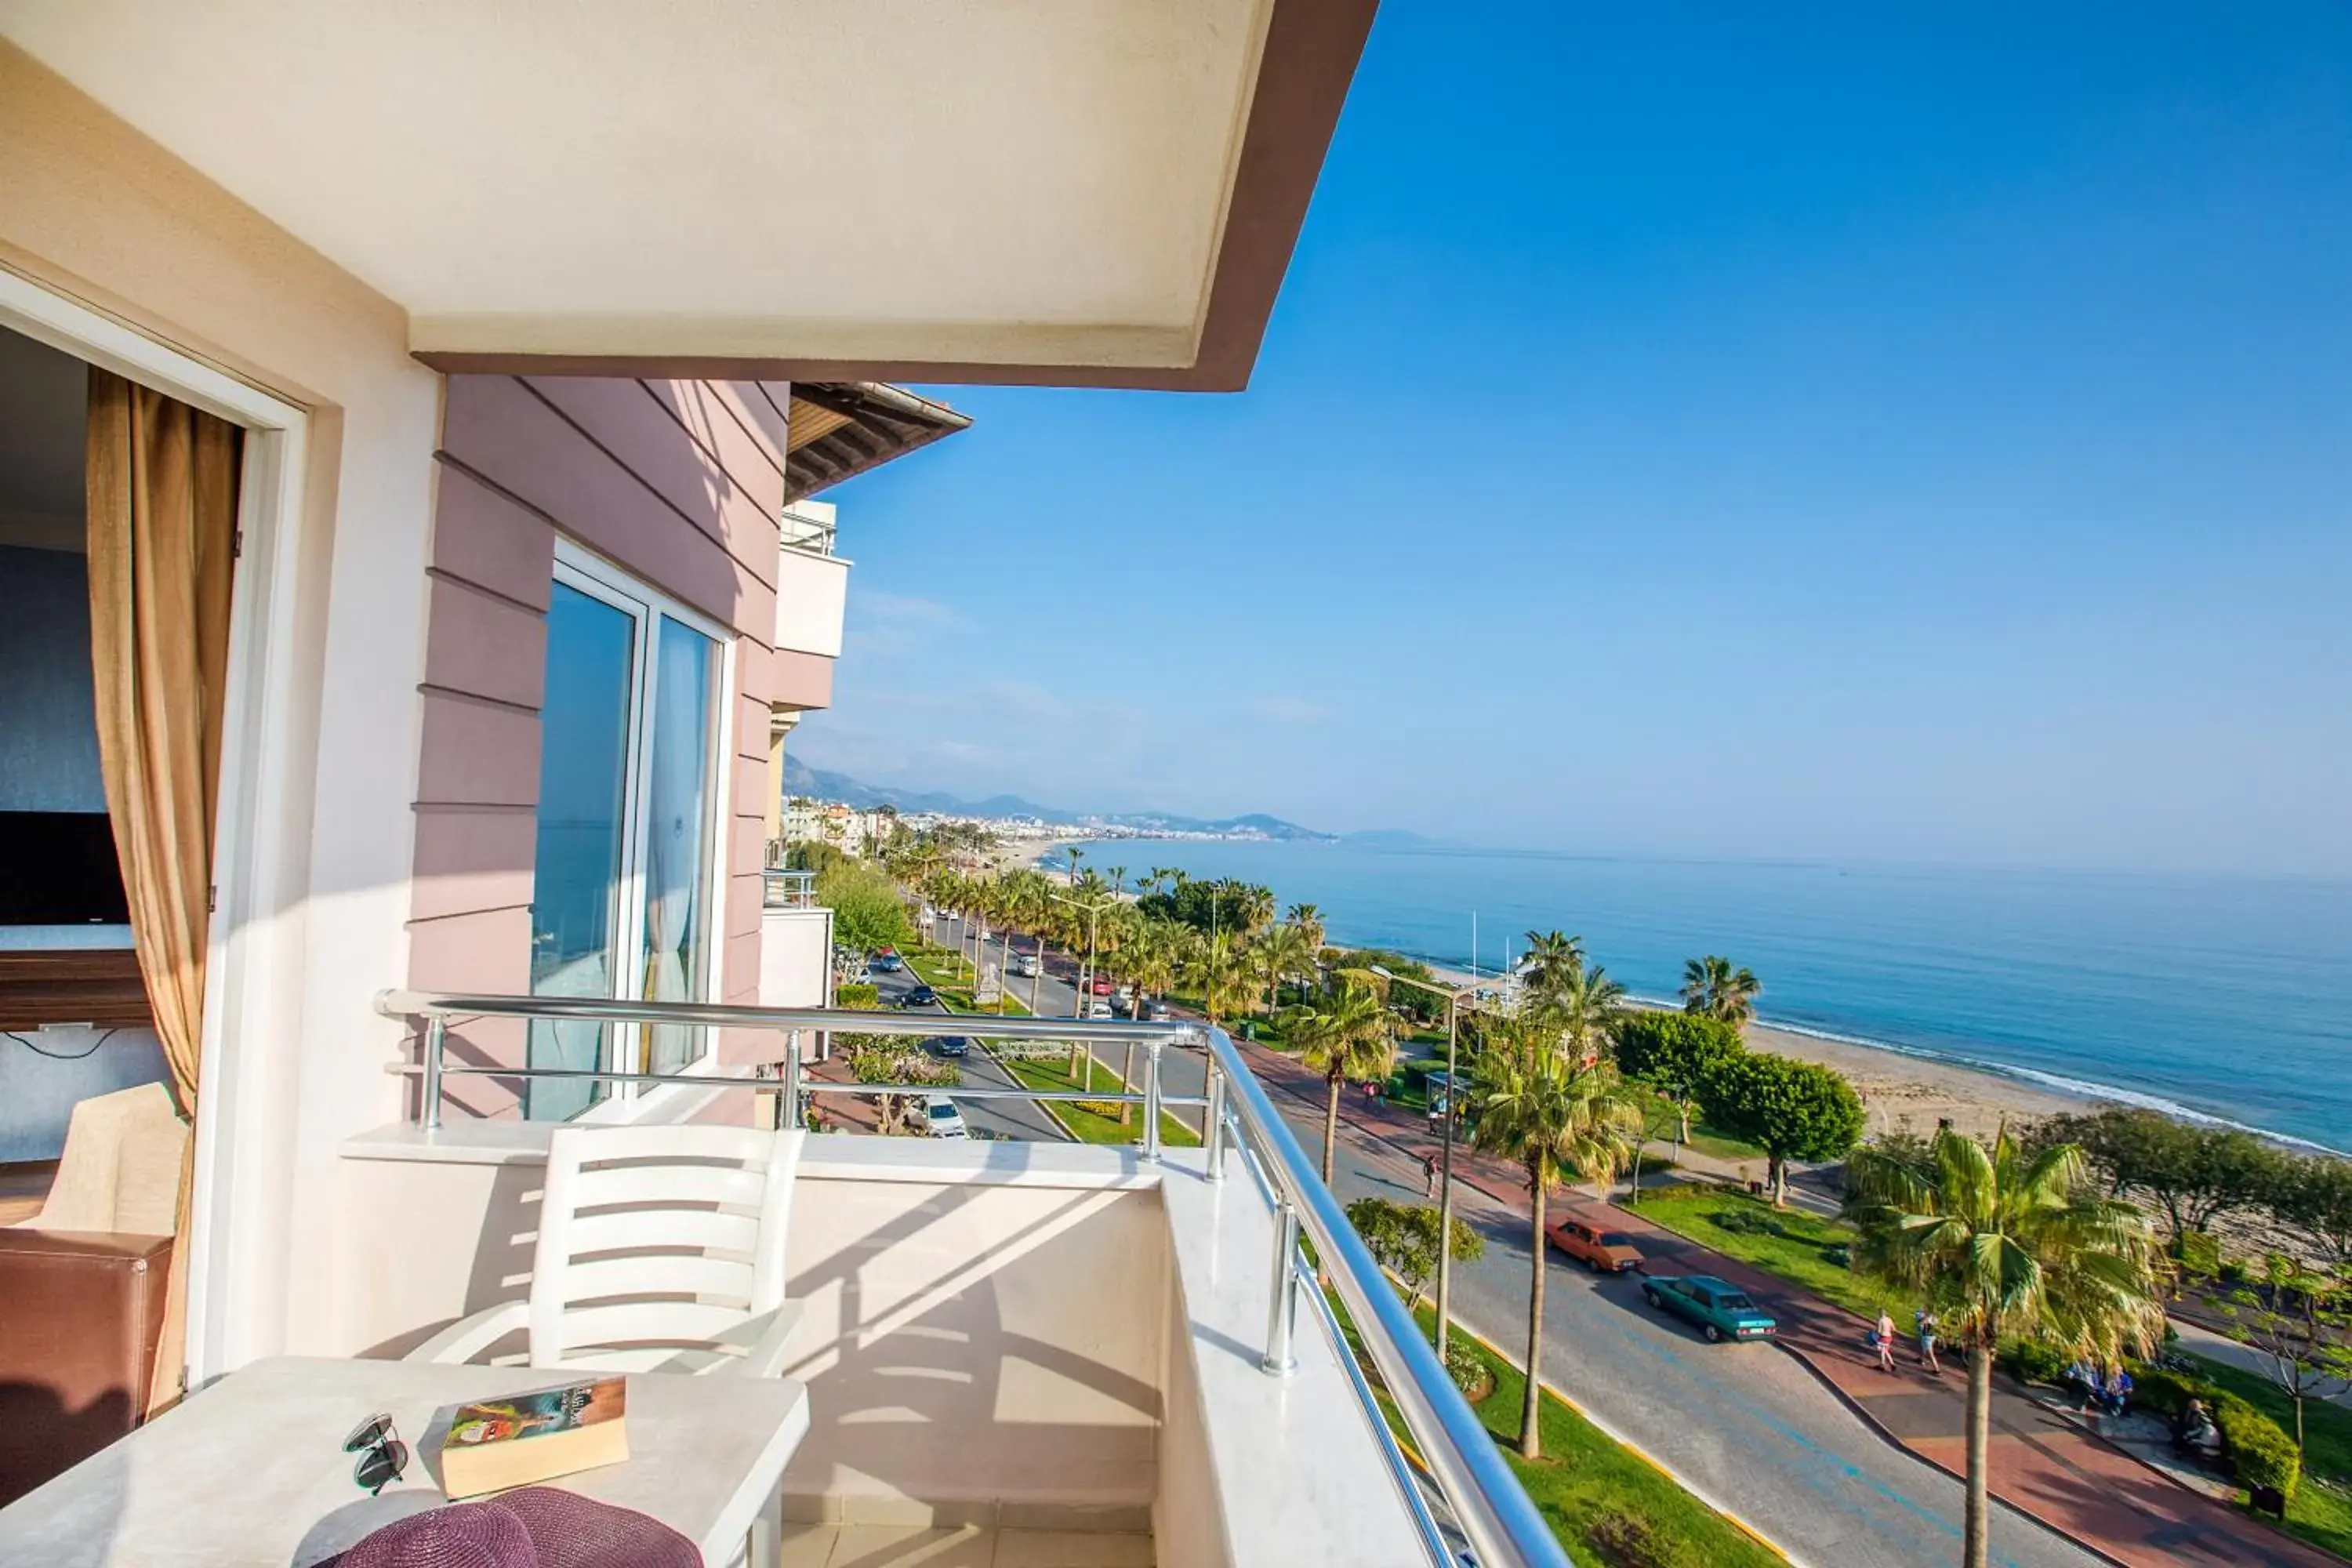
pixel 163 528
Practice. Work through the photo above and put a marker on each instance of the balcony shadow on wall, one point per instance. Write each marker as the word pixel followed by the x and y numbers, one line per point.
pixel 960 1373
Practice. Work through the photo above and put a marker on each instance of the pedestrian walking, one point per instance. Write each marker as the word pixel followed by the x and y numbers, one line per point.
pixel 1429 1176
pixel 1925 1323
pixel 1882 1337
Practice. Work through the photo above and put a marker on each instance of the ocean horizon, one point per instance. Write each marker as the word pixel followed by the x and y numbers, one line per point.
pixel 2213 996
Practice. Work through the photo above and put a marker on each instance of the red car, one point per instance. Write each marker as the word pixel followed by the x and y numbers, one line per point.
pixel 1102 985
pixel 1603 1250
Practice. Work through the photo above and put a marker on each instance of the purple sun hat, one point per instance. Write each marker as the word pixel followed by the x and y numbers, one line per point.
pixel 536 1527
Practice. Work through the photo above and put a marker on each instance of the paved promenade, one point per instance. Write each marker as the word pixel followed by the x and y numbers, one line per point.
pixel 2043 1464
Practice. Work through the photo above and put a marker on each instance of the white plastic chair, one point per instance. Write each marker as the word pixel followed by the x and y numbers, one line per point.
pixel 660 1249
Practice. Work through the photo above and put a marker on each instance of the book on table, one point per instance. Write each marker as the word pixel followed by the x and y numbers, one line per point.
pixel 525 1438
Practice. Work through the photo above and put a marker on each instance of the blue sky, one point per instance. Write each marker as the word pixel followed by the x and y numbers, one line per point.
pixel 1888 433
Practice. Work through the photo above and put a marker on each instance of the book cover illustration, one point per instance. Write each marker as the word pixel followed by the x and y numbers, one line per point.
pixel 544 1413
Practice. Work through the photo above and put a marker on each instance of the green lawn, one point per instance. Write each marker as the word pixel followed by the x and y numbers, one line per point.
pixel 1796 1254
pixel 1659 1112
pixel 1587 1483
pixel 2321 1509
pixel 1053 1074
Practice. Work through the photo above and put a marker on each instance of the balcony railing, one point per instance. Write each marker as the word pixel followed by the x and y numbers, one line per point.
pixel 788 889
pixel 1482 1500
pixel 809 534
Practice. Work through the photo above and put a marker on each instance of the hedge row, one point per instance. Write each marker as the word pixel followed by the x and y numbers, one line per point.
pixel 2260 1452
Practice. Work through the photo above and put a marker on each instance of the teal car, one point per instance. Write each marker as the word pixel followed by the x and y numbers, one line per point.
pixel 1721 1309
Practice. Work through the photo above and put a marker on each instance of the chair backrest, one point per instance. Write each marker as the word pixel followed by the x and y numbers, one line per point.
pixel 654 1241
pixel 120 1169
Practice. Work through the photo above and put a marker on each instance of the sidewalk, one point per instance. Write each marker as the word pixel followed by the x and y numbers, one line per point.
pixel 2041 1464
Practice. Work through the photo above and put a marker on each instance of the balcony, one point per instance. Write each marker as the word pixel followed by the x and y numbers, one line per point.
pixel 1002 1336
pixel 812 583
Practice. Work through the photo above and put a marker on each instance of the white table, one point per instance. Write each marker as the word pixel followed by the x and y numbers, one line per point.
pixel 251 1472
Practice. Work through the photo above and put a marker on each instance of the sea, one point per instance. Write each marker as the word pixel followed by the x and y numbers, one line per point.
pixel 2222 998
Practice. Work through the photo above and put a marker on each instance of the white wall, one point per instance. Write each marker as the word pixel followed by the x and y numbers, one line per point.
pixel 796 958
pixel 98 215
pixel 811 594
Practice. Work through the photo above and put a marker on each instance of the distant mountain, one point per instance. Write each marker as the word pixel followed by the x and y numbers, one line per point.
pixel 826 785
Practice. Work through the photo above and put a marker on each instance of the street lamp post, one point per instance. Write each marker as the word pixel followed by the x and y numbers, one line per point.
pixel 1093 908
pixel 1445 1151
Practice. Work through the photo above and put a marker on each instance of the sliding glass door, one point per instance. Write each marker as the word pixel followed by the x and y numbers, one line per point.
pixel 626 884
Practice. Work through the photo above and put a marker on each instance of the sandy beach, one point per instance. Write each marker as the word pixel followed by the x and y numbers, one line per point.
pixel 1903 1091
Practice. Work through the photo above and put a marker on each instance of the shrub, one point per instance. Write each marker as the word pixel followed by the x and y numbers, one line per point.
pixel 857 995
pixel 2257 1450
pixel 2168 1394
pixel 1623 1540
pixel 2232 1272
pixel 2033 1361
pixel 1749 1222
pixel 1467 1368
pixel 2260 1453
pixel 1838 1257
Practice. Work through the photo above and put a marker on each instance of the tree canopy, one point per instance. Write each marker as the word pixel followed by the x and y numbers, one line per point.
pixel 1675 1054
pixel 868 911
pixel 1790 1110
pixel 2194 1173
pixel 1403 1239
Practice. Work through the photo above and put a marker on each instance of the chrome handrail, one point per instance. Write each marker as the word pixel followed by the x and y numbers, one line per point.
pixel 1495 1515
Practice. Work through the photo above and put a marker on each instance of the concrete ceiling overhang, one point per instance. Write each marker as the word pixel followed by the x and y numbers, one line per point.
pixel 1063 191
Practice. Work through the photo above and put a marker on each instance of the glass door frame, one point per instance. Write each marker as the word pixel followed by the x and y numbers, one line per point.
pixel 627 1047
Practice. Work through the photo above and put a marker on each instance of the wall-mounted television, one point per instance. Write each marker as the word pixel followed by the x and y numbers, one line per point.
pixel 58 869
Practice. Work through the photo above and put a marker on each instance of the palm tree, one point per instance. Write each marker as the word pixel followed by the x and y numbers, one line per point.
pixel 1712 987
pixel 1347 1034
pixel 1308 918
pixel 1553 963
pixel 1554 1113
pixel 1147 956
pixel 1211 966
pixel 2003 1242
pixel 1585 1011
pixel 1281 954
pixel 1248 905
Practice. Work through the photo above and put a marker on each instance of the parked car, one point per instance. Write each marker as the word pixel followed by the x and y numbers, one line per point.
pixel 1155 1011
pixel 1024 964
pixel 1102 985
pixel 921 996
pixel 1599 1249
pixel 941 1119
pixel 1098 1008
pixel 952 1046
pixel 884 964
pixel 1721 1309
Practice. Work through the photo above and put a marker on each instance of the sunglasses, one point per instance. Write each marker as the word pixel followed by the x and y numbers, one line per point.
pixel 382 1455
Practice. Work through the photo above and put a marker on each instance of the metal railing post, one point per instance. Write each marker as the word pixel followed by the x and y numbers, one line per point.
pixel 1282 1305
pixel 793 1115
pixel 1151 1100
pixel 1213 1129
pixel 428 1110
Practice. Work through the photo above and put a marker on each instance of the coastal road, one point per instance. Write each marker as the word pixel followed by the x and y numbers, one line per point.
pixel 1746 1426
pixel 1020 1119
